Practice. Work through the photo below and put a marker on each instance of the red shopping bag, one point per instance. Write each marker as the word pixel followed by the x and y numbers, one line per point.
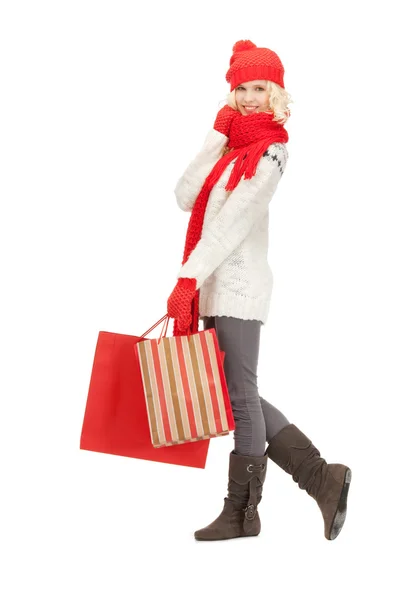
pixel 115 419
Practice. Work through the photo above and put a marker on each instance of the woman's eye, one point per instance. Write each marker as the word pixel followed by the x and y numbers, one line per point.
pixel 259 88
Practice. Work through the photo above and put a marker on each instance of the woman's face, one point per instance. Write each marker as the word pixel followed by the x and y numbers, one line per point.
pixel 252 96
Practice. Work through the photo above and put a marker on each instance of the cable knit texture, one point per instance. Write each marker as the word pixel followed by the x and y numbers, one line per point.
pixel 229 262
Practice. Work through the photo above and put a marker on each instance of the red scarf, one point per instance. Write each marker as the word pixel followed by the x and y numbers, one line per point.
pixel 249 138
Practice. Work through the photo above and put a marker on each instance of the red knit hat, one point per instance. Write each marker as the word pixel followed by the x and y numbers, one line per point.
pixel 249 62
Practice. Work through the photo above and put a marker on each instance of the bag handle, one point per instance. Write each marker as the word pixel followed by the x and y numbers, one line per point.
pixel 165 318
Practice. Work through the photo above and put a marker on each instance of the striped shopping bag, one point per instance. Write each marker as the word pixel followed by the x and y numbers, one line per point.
pixel 185 388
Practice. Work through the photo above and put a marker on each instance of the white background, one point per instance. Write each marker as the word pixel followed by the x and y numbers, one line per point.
pixel 103 105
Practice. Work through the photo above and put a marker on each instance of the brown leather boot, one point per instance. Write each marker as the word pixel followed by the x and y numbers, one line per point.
pixel 239 517
pixel 327 483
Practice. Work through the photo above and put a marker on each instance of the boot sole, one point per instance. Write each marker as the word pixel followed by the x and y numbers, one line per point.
pixel 340 515
pixel 220 539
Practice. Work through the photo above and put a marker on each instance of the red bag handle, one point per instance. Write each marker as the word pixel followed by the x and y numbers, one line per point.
pixel 155 325
pixel 165 318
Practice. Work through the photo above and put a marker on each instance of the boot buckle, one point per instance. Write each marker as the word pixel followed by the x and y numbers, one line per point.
pixel 250 512
pixel 255 467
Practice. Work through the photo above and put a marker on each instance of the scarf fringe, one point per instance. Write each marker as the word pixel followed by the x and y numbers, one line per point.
pixel 247 167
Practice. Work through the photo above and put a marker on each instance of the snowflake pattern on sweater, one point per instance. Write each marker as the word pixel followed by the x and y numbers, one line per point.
pixel 230 260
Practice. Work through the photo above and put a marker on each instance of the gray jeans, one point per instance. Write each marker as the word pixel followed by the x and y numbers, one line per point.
pixel 256 420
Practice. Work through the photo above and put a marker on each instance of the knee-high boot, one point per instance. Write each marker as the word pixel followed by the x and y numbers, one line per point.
pixel 327 483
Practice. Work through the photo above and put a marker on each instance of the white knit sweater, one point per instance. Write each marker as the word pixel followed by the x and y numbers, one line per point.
pixel 230 260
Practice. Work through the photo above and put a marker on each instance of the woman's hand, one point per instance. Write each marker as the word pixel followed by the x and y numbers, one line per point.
pixel 224 119
pixel 179 305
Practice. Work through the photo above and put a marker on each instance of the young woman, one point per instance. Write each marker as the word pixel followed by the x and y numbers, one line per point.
pixel 225 279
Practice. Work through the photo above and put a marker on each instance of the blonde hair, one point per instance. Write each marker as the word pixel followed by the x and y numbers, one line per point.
pixel 279 99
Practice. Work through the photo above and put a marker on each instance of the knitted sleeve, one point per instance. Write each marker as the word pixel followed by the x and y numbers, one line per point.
pixel 189 185
pixel 246 204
